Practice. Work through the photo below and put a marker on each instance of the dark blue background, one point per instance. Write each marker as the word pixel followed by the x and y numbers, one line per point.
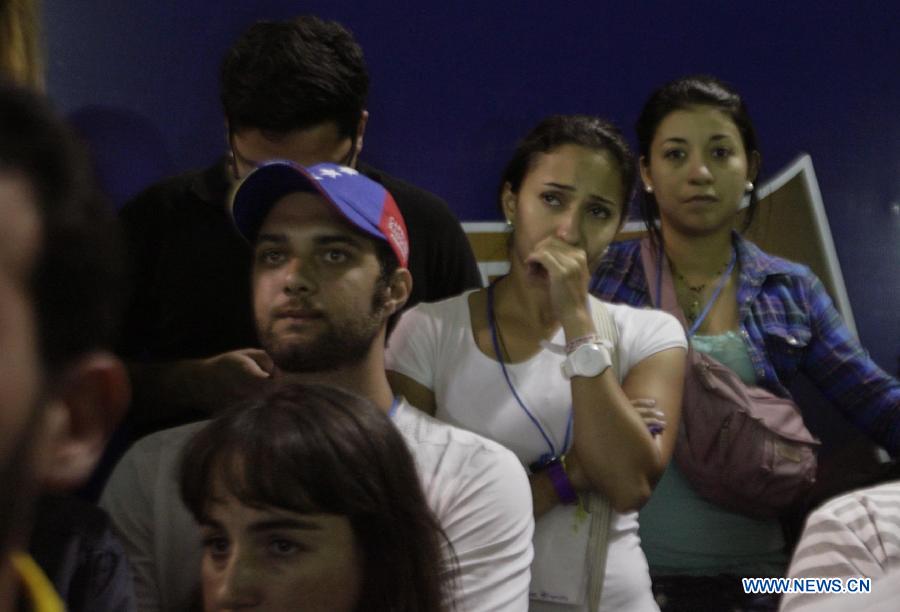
pixel 454 84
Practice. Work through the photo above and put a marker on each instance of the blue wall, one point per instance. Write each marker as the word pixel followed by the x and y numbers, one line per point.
pixel 455 84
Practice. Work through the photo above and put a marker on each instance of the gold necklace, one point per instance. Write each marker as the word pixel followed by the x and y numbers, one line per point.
pixel 695 292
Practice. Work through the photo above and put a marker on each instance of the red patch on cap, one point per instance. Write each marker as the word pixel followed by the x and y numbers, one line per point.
pixel 394 229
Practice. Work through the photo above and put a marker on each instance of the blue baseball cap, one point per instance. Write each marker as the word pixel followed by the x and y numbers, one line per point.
pixel 363 202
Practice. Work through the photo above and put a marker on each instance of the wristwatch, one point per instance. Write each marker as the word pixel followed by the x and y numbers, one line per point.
pixel 587 360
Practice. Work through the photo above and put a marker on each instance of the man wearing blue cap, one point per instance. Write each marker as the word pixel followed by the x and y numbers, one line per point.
pixel 330 250
pixel 296 90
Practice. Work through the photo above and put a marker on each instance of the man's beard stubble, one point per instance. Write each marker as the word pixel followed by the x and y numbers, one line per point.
pixel 334 347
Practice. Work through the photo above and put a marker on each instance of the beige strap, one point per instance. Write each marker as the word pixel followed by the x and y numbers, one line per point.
pixel 606 329
pixel 597 505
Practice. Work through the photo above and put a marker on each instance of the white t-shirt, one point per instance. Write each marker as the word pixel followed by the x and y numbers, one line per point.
pixel 476 488
pixel 433 344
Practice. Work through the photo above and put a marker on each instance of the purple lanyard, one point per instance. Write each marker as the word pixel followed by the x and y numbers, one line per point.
pixel 712 300
pixel 553 454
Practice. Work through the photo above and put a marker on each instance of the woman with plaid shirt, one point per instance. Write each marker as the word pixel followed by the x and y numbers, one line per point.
pixel 766 318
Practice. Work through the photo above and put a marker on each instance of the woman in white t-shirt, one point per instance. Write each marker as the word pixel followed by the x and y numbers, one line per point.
pixel 521 362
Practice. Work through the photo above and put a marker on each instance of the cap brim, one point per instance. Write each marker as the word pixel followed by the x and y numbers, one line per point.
pixel 273 180
pixel 262 188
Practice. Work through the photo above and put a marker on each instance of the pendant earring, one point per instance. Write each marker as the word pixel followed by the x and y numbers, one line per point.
pixel 748 187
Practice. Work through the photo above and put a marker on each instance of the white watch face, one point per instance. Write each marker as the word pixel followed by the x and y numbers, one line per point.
pixel 589 360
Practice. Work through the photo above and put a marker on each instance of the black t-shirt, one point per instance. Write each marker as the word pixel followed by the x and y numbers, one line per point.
pixel 191 268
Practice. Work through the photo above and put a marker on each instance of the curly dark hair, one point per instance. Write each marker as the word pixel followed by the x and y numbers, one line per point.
pixel 289 75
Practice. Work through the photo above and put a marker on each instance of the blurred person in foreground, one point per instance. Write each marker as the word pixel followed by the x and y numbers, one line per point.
pixel 301 496
pixel 61 393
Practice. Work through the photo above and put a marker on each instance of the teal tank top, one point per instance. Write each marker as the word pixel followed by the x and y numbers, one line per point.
pixel 682 533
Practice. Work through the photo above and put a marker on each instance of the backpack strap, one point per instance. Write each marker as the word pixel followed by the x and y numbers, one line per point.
pixel 596 504
pixel 607 330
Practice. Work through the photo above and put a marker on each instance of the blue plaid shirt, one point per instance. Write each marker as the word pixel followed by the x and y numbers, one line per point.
pixel 790 325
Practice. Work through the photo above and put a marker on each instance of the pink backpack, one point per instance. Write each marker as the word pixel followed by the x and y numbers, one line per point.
pixel 743 448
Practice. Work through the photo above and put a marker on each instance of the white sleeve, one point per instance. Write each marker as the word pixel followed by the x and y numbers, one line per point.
pixel 645 332
pixel 159 534
pixel 490 523
pixel 413 345
pixel 130 507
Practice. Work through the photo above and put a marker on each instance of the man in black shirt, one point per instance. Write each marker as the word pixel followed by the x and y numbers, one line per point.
pixel 291 90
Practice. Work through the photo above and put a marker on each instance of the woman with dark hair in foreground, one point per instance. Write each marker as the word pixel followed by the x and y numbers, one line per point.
pixel 308 499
